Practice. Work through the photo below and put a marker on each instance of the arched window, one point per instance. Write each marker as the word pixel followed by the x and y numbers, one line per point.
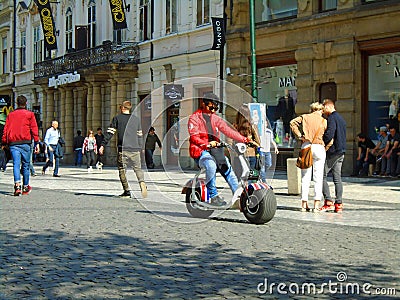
pixel 68 29
pixel 92 23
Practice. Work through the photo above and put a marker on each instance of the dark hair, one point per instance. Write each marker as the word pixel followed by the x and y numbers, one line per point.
pixel 243 121
pixel 361 135
pixel 99 129
pixel 21 101
pixel 79 132
pixel 151 129
pixel 210 97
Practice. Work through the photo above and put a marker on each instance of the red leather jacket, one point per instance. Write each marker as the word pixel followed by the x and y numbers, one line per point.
pixel 20 128
pixel 199 134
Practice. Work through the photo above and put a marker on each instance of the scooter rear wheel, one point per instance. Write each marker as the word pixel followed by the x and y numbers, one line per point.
pixel 259 207
pixel 192 208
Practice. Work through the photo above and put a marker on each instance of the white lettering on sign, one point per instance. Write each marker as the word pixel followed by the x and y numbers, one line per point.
pixel 219 34
pixel 396 72
pixel 287 81
pixel 64 79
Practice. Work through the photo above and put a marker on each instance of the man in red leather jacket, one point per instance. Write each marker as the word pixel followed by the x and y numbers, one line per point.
pixel 19 131
pixel 204 130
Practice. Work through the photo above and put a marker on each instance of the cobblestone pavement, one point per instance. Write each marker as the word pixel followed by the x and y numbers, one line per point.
pixel 72 238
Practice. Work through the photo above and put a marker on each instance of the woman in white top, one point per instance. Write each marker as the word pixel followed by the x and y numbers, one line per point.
pixel 90 149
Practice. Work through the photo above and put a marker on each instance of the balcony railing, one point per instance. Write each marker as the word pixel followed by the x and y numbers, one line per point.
pixel 108 53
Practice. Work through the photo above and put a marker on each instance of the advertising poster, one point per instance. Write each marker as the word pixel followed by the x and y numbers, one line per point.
pixel 258 118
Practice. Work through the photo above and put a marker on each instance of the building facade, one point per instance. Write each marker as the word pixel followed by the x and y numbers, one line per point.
pixel 346 50
pixel 95 67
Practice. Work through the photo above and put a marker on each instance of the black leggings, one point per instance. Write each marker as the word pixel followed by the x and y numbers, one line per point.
pixel 90 158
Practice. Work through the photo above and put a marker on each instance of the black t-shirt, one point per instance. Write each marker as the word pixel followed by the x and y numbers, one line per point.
pixel 393 139
pixel 368 143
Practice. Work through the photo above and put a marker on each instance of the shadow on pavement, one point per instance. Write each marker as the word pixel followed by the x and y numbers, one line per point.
pixel 59 265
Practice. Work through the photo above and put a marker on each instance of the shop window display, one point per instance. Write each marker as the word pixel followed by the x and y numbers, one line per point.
pixel 383 91
pixel 278 91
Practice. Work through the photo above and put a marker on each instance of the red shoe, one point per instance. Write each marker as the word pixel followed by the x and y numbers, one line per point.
pixel 328 206
pixel 26 190
pixel 338 207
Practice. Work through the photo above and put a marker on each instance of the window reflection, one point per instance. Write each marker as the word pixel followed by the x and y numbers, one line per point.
pixel 267 10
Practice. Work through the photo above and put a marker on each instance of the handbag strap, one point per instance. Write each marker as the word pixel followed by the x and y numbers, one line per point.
pixel 315 136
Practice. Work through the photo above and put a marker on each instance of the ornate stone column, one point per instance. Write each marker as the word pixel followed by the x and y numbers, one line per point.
pixel 96 102
pixel 69 123
pixel 113 111
pixel 77 109
pixel 44 107
pixel 50 109
pixel 62 112
pixel 89 112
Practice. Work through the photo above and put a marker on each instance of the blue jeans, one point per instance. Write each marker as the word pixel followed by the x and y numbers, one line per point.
pixel 21 160
pixel 267 158
pixel 333 163
pixel 78 156
pixel 207 162
pixel 31 167
pixel 50 161
pixel 362 165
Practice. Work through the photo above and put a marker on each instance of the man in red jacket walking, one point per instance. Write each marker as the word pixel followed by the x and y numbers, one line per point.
pixel 18 133
pixel 204 130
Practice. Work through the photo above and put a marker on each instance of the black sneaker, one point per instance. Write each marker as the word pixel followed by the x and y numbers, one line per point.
pixel 217 201
pixel 17 190
pixel 125 194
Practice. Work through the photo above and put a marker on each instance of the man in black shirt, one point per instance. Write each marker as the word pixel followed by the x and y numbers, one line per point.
pixel 131 142
pixel 99 136
pixel 335 131
pixel 77 145
pixel 364 157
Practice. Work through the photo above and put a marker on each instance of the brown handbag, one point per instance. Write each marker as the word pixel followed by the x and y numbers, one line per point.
pixel 305 159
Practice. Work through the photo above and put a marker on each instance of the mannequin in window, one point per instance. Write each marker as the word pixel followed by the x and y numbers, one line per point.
pixel 393 106
pixel 285 111
pixel 393 110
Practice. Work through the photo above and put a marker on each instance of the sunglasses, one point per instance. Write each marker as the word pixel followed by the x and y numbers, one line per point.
pixel 213 106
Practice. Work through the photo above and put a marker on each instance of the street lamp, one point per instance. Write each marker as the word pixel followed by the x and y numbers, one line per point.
pixel 254 91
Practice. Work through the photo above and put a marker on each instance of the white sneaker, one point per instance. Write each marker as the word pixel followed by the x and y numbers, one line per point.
pixel 143 189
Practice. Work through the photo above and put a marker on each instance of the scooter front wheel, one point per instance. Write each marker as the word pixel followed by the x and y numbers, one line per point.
pixel 192 205
pixel 259 207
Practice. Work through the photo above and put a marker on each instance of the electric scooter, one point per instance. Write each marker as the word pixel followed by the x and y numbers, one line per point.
pixel 257 200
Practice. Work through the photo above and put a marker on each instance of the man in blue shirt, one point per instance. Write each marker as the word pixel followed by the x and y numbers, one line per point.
pixel 51 140
pixel 336 130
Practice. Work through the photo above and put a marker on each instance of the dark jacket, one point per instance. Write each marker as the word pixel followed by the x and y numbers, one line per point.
pixel 99 139
pixel 20 128
pixel 78 142
pixel 130 135
pixel 336 130
pixel 151 141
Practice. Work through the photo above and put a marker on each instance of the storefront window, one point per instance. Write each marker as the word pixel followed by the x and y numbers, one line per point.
pixel 328 5
pixel 268 10
pixel 368 1
pixel 383 91
pixel 278 90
